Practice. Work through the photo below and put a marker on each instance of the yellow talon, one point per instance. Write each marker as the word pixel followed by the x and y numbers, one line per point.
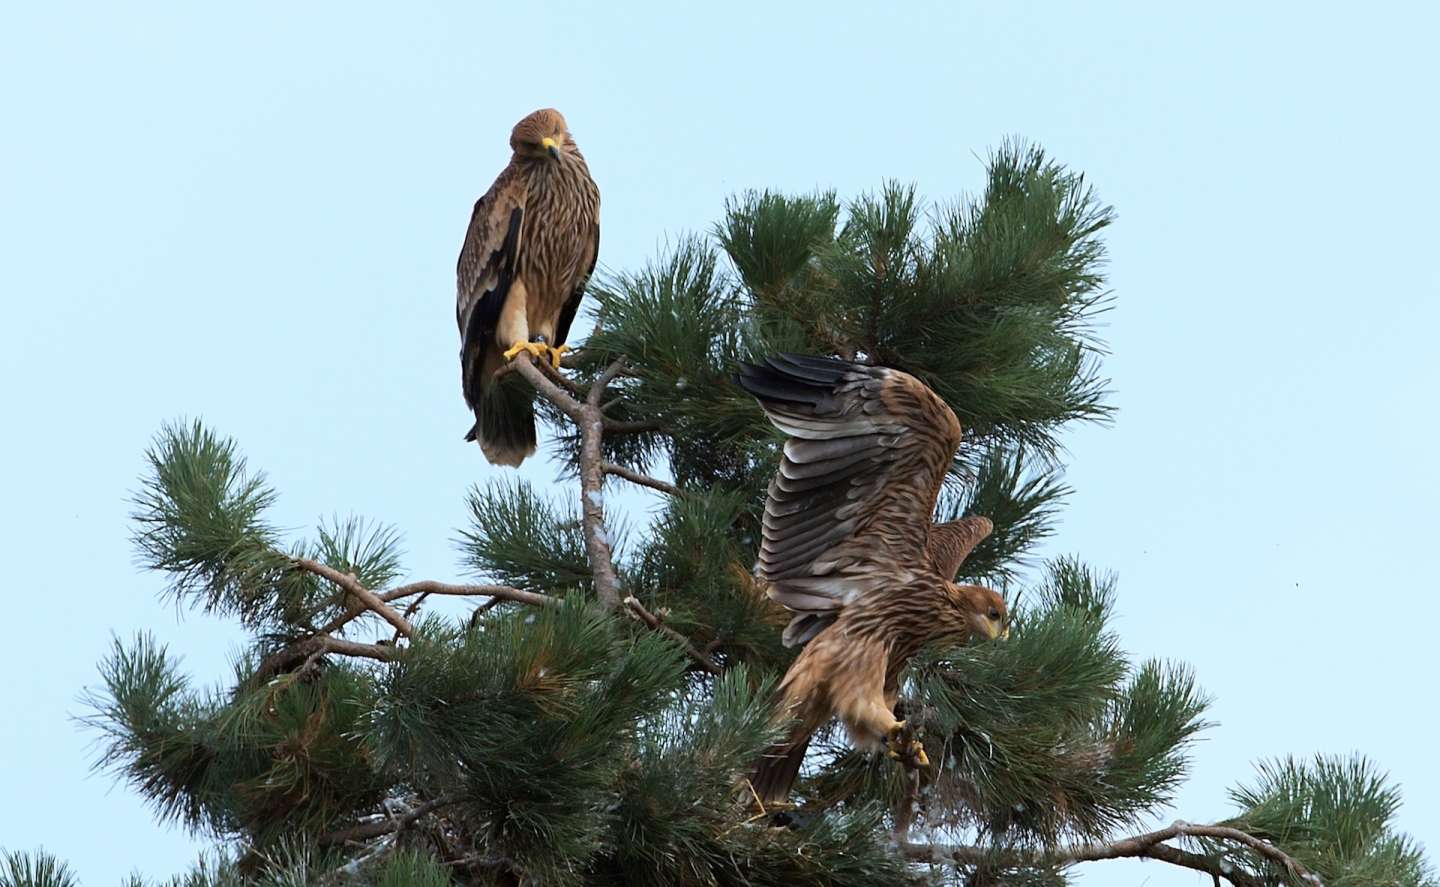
pixel 911 752
pixel 536 349
pixel 556 353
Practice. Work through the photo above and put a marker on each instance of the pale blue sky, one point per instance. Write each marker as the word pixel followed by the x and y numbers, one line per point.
pixel 250 213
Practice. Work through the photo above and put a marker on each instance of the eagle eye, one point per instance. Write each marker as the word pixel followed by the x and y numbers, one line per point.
pixel 994 613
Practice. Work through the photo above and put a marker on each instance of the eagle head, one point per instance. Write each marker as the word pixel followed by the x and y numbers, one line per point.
pixel 982 611
pixel 542 133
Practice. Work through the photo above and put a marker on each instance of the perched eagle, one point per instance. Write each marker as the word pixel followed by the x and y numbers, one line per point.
pixel 528 254
pixel 849 545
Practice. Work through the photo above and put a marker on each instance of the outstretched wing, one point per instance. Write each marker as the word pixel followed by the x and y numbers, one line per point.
pixel 850 509
pixel 484 272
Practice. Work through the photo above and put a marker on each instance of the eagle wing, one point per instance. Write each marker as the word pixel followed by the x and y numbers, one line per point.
pixel 485 271
pixel 952 542
pixel 850 509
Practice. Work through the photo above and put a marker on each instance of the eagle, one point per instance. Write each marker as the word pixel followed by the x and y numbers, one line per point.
pixel 848 544
pixel 529 251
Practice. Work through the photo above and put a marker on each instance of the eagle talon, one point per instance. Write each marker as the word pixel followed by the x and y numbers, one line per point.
pixel 556 353
pixel 901 745
pixel 535 349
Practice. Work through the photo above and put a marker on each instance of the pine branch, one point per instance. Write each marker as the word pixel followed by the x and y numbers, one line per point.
pixel 286 658
pixel 366 596
pixel 643 480
pixel 389 825
pixel 1147 846
pixel 323 640
pixel 636 427
pixel 637 610
pixel 588 418
pixel 502 592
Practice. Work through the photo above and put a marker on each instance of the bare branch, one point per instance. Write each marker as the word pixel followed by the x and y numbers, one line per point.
pixel 353 586
pixel 305 650
pixel 503 592
pixel 410 613
pixel 597 390
pixel 368 830
pixel 620 427
pixel 323 642
pixel 638 611
pixel 1147 846
pixel 636 477
pixel 524 364
pixel 588 418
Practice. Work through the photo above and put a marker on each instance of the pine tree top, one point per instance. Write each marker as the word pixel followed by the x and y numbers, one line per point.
pixel 593 717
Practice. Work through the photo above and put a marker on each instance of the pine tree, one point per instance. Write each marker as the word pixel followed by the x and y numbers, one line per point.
pixel 593 718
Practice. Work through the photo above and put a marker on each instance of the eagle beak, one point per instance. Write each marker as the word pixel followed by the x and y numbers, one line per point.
pixel 550 145
pixel 1005 635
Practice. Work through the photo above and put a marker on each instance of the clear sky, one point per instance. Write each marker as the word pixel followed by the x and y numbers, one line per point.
pixel 250 213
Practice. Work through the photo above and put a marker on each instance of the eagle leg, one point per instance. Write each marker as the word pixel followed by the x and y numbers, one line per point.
pixel 556 353
pixel 900 743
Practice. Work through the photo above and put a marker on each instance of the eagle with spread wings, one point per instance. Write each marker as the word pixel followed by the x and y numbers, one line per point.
pixel 849 545
pixel 529 251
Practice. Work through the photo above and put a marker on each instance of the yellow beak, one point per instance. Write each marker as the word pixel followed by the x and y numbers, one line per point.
pixel 550 145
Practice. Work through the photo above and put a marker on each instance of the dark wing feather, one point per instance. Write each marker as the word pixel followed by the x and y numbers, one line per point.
pixel 850 509
pixel 484 272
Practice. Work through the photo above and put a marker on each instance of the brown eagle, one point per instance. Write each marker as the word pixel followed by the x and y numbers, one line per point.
pixel 849 545
pixel 528 254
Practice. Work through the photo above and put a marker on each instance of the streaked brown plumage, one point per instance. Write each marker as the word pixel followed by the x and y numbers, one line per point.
pixel 849 545
pixel 529 251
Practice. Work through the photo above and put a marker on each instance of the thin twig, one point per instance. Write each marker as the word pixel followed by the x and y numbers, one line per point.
pixel 636 477
pixel 637 610
pixel 481 610
pixel 1147 846
pixel 410 613
pixel 612 372
pixel 365 595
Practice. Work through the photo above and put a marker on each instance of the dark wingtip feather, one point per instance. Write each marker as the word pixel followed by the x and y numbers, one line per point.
pixel 816 369
pixel 792 378
pixel 767 384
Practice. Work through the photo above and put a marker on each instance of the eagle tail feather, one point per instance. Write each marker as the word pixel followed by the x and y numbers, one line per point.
pixel 505 421
pixel 778 769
